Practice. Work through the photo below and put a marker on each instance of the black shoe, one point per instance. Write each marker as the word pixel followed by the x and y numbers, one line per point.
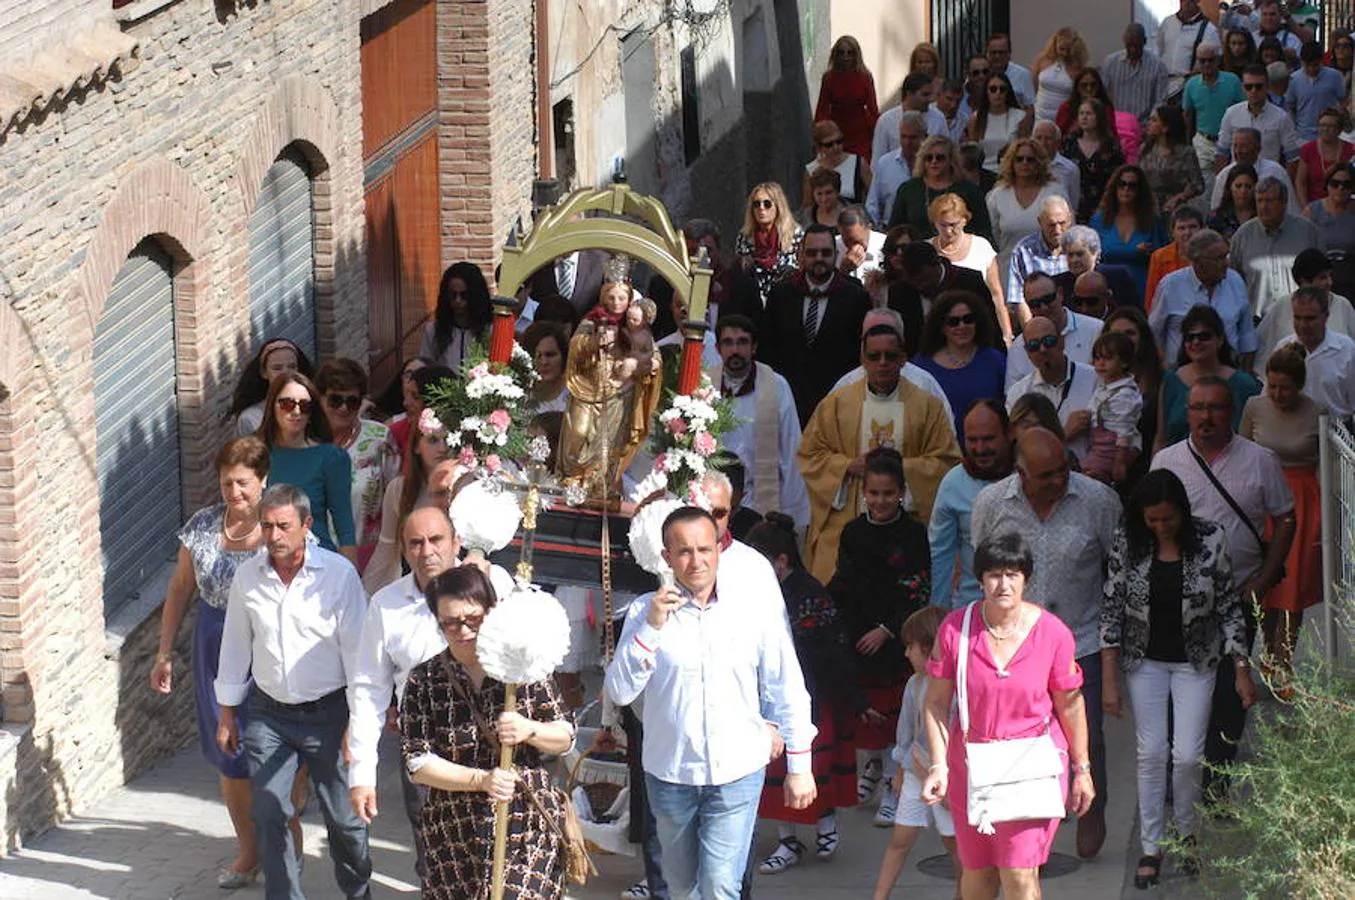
pixel 1153 864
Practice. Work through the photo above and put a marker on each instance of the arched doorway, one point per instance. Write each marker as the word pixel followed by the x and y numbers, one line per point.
pixel 282 255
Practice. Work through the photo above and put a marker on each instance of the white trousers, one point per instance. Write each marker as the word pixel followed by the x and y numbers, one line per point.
pixel 1151 685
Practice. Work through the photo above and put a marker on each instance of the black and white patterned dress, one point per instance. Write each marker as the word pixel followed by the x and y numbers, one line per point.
pixel 458 827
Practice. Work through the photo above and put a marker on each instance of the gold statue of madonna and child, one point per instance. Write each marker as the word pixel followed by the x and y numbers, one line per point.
pixel 615 380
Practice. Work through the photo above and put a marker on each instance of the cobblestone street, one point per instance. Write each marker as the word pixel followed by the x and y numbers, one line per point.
pixel 164 835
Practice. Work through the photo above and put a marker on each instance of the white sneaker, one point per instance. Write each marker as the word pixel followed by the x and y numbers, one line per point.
pixel 637 891
pixel 884 816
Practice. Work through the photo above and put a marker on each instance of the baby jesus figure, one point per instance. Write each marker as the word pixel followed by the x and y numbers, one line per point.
pixel 635 341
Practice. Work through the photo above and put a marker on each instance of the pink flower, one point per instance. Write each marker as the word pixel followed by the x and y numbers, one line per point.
pixel 429 423
pixel 493 463
pixel 678 426
pixel 704 443
pixel 466 458
pixel 660 461
pixel 500 419
pixel 479 371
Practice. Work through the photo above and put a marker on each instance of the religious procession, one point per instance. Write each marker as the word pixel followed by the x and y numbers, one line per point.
pixel 674 545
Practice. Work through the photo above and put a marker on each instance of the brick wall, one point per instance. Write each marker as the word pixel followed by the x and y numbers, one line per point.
pixel 174 145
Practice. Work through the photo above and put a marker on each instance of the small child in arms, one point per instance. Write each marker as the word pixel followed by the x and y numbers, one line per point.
pixel 912 813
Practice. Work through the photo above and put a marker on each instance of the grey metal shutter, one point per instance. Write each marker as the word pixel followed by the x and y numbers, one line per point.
pixel 137 424
pixel 282 256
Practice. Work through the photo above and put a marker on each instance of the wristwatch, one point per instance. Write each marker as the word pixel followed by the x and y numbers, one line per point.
pixel 1082 768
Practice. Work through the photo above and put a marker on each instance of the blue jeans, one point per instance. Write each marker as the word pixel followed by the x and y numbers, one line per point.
pixel 277 739
pixel 705 832
pixel 1096 736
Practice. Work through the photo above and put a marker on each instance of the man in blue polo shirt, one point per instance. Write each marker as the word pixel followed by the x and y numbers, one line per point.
pixel 1312 89
pixel 1205 99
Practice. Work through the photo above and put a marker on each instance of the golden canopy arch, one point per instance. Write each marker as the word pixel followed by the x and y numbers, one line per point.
pixel 562 229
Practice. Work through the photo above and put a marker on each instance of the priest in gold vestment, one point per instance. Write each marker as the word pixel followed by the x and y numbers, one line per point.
pixel 882 410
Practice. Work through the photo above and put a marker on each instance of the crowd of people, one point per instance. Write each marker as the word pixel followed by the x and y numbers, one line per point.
pixel 1027 387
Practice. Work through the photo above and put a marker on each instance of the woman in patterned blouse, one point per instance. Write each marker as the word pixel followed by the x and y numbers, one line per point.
pixel 452 721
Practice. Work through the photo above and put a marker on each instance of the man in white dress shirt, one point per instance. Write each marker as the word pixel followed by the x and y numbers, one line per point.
pixel 1279 136
pixel 398 633
pixel 1330 362
pixel 999 53
pixel 1065 383
pixel 709 661
pixel 292 624
pixel 916 95
pixel 768 434
pixel 1177 38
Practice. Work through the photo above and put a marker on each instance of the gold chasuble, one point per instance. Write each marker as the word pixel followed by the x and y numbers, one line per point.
pixel 845 426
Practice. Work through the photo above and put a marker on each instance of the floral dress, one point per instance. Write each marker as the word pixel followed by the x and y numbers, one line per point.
pixel 373 467
pixel 458 826
pixel 767 277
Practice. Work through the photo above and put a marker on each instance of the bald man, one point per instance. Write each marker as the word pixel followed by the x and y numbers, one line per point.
pixel 1064 382
pixel 1070 521
pixel 1091 295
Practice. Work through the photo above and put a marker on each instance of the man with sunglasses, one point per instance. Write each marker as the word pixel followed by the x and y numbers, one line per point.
pixel 882 410
pixel 1091 296
pixel 1208 281
pixel 1077 331
pixel 999 54
pixel 1279 137
pixel 1065 383
pixel 812 321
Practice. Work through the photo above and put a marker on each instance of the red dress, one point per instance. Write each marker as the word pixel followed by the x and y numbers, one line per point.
pixel 848 98
pixel 1001 708
pixel 1317 173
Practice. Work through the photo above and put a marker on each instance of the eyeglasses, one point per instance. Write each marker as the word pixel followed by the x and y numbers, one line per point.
pixel 883 356
pixel 470 623
pixel 343 401
pixel 997 89
pixel 1208 407
pixel 1253 87
pixel 955 321
pixel 719 512
pixel 291 404
pixel 935 157
pixel 1041 343
pixel 763 204
pixel 1197 337
pixel 835 142
pixel 1040 302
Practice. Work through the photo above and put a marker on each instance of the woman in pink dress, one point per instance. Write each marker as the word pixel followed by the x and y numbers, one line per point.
pixel 1023 678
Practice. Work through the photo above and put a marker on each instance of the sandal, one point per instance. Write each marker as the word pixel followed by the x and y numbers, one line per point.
pixel 787 853
pixel 637 891
pixel 869 781
pixel 826 842
pixel 1153 864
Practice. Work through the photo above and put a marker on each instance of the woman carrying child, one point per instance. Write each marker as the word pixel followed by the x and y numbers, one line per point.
pixel 816 629
pixel 883 575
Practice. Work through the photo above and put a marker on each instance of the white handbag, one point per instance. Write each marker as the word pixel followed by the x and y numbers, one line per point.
pixel 1012 780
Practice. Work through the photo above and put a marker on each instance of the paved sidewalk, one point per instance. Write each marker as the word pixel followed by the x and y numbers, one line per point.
pixel 163 836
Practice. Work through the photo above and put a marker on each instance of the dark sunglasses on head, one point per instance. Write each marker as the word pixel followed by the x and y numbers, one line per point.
pixel 343 401
pixel 953 321
pixel 763 204
pixel 291 404
pixel 1040 302
pixel 1042 343
pixel 1196 337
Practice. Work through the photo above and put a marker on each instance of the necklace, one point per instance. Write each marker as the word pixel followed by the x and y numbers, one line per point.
pixel 957 361
pixel 236 539
pixel 1006 635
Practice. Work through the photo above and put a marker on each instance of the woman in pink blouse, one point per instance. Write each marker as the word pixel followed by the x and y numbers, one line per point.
pixel 1022 678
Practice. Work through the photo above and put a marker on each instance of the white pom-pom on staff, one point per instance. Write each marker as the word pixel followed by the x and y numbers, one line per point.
pixel 646 537
pixel 484 518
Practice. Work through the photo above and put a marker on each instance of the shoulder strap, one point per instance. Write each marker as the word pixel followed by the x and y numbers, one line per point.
pixel 1227 497
pixel 1199 37
pixel 489 734
pixel 962 670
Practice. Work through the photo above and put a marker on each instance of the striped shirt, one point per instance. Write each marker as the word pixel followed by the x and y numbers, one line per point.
pixel 1031 254
pixel 1135 89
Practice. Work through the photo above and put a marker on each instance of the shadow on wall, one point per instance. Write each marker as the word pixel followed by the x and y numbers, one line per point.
pixel 53 776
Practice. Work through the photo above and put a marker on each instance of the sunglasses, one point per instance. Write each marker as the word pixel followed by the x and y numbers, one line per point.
pixel 1026 160
pixel 980 73
pixel 954 321
pixel 343 401
pixel 1080 301
pixel 997 89
pixel 1253 87
pixel 1040 302
pixel 883 356
pixel 1343 183
pixel 935 157
pixel 291 404
pixel 470 623
pixel 1197 337
pixel 763 204
pixel 835 142
pixel 1042 343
